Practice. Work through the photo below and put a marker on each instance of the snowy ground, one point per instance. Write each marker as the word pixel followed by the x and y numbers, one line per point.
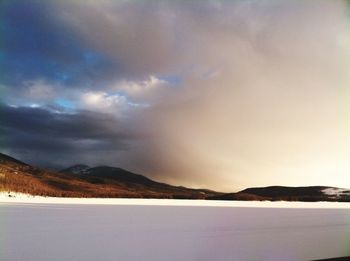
pixel 336 191
pixel 36 229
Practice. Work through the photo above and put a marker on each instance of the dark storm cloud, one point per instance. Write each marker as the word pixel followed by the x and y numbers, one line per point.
pixel 35 45
pixel 40 135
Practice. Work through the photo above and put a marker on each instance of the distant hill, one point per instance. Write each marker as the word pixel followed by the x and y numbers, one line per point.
pixel 83 181
pixel 277 193
pixel 135 182
pixel 75 169
pixel 7 160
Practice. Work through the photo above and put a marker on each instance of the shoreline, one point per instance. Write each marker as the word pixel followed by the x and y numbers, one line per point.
pixel 20 198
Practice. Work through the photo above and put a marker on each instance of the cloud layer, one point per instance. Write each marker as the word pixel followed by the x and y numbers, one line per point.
pixel 220 94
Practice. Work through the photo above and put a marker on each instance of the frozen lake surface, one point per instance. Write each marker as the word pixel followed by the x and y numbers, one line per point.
pixel 135 231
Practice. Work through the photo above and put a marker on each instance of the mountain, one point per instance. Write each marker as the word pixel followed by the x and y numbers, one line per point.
pixel 104 181
pixel 83 181
pixel 276 193
pixel 101 173
pixel 7 160
pixel 75 169
pixel 134 182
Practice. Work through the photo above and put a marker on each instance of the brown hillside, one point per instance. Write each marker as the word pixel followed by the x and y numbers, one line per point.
pixel 103 182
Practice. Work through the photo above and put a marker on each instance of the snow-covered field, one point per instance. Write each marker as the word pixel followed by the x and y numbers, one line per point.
pixel 35 229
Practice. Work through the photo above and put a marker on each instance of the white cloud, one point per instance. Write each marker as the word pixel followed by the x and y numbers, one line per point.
pixel 34 105
pixel 148 91
pixel 102 101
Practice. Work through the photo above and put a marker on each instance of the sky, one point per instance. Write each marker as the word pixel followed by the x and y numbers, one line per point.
pixel 216 94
